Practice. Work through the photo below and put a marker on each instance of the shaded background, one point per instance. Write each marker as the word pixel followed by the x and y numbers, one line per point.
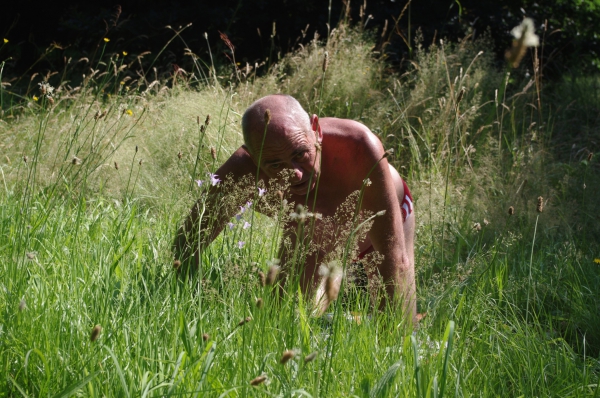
pixel 77 29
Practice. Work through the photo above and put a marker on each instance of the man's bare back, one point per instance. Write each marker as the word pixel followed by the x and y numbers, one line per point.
pixel 328 160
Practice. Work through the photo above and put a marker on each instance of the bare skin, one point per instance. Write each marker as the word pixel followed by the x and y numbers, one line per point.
pixel 339 154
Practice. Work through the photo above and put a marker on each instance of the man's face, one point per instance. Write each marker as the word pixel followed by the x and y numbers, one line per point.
pixel 290 148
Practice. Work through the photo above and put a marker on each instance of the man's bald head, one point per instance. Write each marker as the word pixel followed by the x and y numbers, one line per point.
pixel 285 111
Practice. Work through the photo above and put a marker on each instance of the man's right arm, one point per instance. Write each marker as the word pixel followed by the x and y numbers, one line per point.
pixel 209 215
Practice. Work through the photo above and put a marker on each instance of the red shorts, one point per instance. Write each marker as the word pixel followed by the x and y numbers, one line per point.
pixel 407 208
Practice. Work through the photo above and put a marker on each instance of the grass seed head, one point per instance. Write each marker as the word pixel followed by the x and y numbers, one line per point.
pixel 95 333
pixel 176 264
pixel 116 166
pixel 267 116
pixel 259 303
pixel 590 156
pixel 22 305
pixel 310 357
pixel 30 255
pixel 511 211
pixel 25 158
pixel 205 337
pixel 287 355
pixel 272 274
pixel 325 61
pixel 262 278
pixel 461 94
pixel 540 204
pixel 213 153
pixel 477 226
pixel 179 155
pixel 258 380
pixel 76 161
pixel 207 121
pixel 244 321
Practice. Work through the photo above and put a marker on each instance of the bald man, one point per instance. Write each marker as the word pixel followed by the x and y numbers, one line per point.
pixel 325 161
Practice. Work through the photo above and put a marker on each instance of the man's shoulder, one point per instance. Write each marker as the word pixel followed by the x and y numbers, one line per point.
pixel 351 134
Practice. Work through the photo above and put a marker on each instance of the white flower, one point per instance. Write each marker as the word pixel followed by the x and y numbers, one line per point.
pixel 526 31
pixel 261 191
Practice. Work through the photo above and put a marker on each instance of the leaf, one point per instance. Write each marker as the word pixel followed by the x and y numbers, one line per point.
pixel 383 385
pixel 73 388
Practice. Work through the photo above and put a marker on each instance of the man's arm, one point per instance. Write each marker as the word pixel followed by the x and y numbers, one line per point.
pixel 209 215
pixel 387 233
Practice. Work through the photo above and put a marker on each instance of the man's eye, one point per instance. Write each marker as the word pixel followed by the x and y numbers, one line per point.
pixel 275 166
pixel 302 155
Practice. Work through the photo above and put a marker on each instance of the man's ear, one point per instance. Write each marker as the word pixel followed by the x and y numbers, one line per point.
pixel 250 153
pixel 316 127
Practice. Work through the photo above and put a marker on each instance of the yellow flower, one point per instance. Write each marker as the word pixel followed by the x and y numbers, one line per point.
pixel 5 40
pixel 597 260
pixel 124 53
pixel 106 39
pixel 129 112
pixel 35 98
pixel 122 83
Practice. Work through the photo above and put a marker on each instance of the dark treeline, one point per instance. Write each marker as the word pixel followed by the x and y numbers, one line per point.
pixel 262 28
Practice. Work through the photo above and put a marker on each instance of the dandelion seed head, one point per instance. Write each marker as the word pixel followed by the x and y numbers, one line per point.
pixel 525 31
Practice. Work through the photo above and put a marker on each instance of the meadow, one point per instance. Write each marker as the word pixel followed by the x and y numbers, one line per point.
pixel 98 171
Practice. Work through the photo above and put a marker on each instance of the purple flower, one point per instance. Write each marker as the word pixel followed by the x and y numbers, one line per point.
pixel 213 179
pixel 261 191
pixel 246 225
pixel 199 182
pixel 248 204
pixel 241 244
pixel 230 225
pixel 238 216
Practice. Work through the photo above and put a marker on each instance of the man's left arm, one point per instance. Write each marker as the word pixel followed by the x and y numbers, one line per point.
pixel 387 233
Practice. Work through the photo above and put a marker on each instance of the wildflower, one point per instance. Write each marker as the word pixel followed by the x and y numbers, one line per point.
pixel 597 260
pixel 176 264
pixel 22 305
pixel 230 225
pixel 238 217
pixel 300 214
pixel 95 333
pixel 199 182
pixel 241 244
pixel 540 204
pixel 35 98
pixel 310 357
pixel 367 182
pixel 124 53
pixel 213 179
pixel 259 303
pixel 262 278
pixel 524 37
pixel 5 40
pixel 261 191
pixel 287 355
pixel 511 211
pixel 205 337
pixel 247 225
pixel 258 380
pixel 106 39
pixel 122 83
pixel 273 271
pixel 129 112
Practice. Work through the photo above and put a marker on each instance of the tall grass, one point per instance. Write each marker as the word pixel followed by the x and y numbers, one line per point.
pixel 94 187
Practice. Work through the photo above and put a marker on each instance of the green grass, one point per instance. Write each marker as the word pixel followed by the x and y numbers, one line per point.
pixel 512 309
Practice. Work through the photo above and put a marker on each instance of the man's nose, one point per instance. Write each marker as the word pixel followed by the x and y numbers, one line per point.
pixel 298 172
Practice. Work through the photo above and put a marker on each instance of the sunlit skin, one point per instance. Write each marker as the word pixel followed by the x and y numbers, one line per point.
pixel 336 154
